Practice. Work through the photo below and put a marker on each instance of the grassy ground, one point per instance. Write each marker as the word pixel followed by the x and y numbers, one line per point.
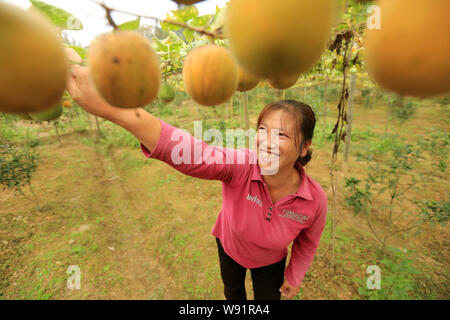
pixel 138 229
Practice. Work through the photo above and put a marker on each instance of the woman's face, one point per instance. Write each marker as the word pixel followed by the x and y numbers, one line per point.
pixel 276 149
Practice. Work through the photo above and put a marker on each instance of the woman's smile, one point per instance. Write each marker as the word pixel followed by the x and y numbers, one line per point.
pixel 268 157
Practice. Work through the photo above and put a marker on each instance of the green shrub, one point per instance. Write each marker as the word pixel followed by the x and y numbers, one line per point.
pixel 397 278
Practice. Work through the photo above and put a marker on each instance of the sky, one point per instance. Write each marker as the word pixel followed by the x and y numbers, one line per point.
pixel 92 16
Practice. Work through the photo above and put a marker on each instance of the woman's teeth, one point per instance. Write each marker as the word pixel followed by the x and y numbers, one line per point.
pixel 268 156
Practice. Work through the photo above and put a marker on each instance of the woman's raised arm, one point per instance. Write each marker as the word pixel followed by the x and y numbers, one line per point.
pixel 144 126
pixel 177 148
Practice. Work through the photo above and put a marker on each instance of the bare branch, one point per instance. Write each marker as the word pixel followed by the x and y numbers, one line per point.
pixel 108 14
pixel 373 230
pixel 403 230
pixel 172 71
pixel 180 24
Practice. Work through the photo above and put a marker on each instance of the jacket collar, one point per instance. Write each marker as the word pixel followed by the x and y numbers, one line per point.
pixel 303 191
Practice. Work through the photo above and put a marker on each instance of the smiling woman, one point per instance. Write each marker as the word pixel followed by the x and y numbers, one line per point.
pixel 262 212
pixel 301 129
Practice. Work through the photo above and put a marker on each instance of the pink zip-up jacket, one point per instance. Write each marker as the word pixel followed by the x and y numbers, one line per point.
pixel 254 231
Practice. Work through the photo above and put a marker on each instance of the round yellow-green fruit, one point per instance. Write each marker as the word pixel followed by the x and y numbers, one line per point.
pixel 210 75
pixel 246 80
pixel 125 69
pixel 33 63
pixel 166 92
pixel 278 38
pixel 50 114
pixel 283 82
pixel 410 53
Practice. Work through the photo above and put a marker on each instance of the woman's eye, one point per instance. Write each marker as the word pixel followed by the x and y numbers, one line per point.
pixel 261 128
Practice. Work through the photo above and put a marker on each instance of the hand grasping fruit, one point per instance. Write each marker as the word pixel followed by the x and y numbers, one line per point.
pixel 81 88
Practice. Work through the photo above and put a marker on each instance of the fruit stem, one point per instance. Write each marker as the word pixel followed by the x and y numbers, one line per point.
pixel 108 15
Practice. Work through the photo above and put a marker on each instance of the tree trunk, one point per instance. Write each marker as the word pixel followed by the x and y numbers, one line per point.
pixel 76 111
pixel 348 135
pixel 57 134
pixel 35 197
pixel 99 133
pixel 325 102
pixel 230 108
pixel 337 139
pixel 334 188
pixel 89 120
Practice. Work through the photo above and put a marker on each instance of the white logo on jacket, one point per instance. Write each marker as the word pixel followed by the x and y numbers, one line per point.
pixel 294 216
pixel 254 199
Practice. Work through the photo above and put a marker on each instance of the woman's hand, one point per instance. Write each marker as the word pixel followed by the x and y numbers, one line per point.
pixel 144 126
pixel 288 291
pixel 82 90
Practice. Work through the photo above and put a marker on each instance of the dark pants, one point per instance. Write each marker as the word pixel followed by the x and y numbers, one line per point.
pixel 267 280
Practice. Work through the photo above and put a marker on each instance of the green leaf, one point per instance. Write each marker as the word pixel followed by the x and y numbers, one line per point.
pixel 168 26
pixel 130 25
pixel 161 45
pixel 363 291
pixel 342 27
pixel 189 35
pixel 173 38
pixel 219 19
pixel 175 47
pixel 201 21
pixel 59 17
pixel 186 13
pixel 387 263
pixel 183 15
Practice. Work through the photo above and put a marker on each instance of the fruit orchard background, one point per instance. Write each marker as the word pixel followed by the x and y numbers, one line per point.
pixel 140 230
